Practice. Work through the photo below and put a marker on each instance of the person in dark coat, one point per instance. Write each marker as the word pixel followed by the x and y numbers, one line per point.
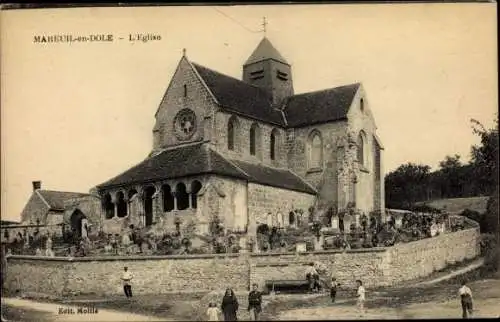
pixel 255 303
pixel 229 306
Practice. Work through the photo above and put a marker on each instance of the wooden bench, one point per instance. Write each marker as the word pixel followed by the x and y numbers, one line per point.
pixel 289 286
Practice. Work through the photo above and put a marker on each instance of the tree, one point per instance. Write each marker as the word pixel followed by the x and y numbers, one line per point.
pixel 406 185
pixel 450 176
pixel 485 157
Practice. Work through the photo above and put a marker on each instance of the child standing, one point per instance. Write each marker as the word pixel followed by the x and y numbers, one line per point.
pixel 361 297
pixel 466 300
pixel 333 289
pixel 213 312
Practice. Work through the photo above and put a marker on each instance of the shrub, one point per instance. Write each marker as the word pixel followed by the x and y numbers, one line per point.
pixel 477 217
pixel 490 249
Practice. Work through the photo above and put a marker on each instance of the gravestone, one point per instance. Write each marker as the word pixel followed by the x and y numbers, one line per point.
pixel 243 244
pixel 318 243
pixel 301 248
pixel 335 222
pixel 399 221
pixel 84 227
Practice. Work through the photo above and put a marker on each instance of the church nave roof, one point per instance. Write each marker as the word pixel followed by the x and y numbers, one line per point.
pixel 199 159
pixel 304 109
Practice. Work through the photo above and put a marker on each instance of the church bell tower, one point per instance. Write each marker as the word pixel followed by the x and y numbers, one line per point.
pixel 266 68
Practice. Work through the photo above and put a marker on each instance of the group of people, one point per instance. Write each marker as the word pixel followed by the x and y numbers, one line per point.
pixel 229 306
pixel 312 276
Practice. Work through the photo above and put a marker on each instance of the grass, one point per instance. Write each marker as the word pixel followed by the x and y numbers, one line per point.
pixel 456 205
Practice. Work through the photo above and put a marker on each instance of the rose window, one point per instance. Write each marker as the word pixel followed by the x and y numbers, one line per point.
pixel 185 124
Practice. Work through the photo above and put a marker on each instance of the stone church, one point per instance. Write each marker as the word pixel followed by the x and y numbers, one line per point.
pixel 250 152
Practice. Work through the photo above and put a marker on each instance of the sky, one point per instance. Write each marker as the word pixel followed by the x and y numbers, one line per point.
pixel 75 115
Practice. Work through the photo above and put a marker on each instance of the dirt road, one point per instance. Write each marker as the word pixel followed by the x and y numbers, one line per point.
pixel 63 312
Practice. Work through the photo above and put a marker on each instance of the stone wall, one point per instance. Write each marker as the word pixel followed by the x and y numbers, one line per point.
pixel 101 276
pixel 36 274
pixel 35 208
pixel 265 200
pixel 422 257
pixel 229 201
pixel 242 141
pixel 90 206
pixel 368 265
pixel 54 218
pixel 298 144
pixel 161 274
pixel 197 98
pixel 361 120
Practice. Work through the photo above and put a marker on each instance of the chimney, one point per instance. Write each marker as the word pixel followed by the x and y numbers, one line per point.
pixel 37 185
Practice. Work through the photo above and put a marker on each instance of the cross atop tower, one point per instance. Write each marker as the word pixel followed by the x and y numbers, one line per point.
pixel 264 25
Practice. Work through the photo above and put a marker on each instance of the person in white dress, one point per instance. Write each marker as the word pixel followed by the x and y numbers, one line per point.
pixel 213 312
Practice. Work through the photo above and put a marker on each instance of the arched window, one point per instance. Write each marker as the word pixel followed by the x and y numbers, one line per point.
pixel 274 144
pixel 148 205
pixel 315 150
pixel 132 192
pixel 255 140
pixel 121 205
pixel 362 105
pixel 361 146
pixel 195 188
pixel 182 196
pixel 291 218
pixel 109 207
pixel 232 127
pixel 168 198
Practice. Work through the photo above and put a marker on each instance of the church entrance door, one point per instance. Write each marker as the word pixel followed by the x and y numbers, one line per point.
pixel 76 222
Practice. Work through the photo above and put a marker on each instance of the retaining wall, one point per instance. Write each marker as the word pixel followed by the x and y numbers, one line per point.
pixel 162 274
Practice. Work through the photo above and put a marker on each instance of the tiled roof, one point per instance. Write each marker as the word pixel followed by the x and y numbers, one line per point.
pixel 281 178
pixel 56 199
pixel 175 163
pixel 200 159
pixel 240 97
pixel 321 106
pixel 305 109
pixel 265 50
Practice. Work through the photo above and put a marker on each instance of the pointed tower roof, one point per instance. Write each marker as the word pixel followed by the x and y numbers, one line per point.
pixel 265 50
